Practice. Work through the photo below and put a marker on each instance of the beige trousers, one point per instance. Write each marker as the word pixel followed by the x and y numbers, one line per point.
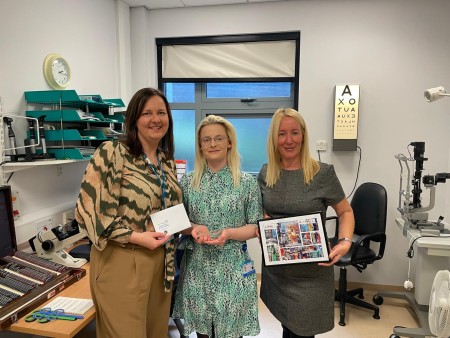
pixel 128 292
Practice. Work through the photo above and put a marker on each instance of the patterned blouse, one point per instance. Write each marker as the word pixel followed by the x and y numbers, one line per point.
pixel 118 194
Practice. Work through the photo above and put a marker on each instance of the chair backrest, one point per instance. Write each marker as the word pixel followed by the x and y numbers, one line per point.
pixel 369 205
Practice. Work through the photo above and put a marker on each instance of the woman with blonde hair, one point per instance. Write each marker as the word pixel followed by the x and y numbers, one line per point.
pixel 217 292
pixel 292 184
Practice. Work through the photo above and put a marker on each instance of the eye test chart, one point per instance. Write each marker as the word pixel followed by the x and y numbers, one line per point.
pixel 346 113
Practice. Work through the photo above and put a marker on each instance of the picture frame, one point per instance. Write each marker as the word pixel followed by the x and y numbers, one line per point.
pixel 294 240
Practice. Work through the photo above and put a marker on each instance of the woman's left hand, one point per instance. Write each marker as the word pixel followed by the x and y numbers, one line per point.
pixel 337 252
pixel 149 239
pixel 221 239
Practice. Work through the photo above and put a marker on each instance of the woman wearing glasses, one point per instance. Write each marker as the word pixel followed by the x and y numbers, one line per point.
pixel 217 293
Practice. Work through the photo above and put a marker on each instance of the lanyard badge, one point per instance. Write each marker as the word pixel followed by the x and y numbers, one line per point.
pixel 247 267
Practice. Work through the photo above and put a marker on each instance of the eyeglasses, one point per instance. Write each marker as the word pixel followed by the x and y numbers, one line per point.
pixel 206 141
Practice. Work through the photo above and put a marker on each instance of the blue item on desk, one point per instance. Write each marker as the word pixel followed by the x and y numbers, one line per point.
pixel 81 251
pixel 46 315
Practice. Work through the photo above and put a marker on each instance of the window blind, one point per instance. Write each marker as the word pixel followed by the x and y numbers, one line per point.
pixel 263 59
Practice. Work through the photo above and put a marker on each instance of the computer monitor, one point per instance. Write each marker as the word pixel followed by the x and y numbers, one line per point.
pixel 8 244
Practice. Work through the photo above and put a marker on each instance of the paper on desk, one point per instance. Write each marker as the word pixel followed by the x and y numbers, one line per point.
pixel 171 220
pixel 75 306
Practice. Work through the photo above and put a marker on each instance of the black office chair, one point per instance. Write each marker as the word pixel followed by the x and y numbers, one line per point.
pixel 369 207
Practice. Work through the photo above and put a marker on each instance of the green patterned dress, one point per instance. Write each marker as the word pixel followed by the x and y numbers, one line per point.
pixel 212 289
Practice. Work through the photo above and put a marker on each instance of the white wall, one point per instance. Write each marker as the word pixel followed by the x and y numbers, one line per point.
pixel 86 33
pixel 395 49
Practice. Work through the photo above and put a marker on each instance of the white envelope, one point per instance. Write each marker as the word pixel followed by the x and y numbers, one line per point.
pixel 171 220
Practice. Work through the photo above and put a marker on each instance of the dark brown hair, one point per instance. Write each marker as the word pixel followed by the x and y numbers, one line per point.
pixel 134 111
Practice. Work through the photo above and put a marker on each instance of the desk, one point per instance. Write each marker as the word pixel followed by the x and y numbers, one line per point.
pixel 432 254
pixel 60 328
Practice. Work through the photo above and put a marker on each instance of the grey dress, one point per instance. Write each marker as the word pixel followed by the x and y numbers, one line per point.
pixel 300 296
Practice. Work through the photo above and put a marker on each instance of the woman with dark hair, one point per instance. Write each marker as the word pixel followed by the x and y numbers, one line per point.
pixel 132 266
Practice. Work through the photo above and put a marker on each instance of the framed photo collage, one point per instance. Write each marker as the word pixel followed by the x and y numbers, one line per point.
pixel 293 240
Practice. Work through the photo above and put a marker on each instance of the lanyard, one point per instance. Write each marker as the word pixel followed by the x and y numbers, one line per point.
pixel 161 178
pixel 163 185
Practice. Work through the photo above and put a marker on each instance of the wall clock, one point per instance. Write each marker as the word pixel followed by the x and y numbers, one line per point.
pixel 56 71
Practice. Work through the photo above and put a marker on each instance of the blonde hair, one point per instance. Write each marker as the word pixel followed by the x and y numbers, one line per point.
pixel 233 159
pixel 310 166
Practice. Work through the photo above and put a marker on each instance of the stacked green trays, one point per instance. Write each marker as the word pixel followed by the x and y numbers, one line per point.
pixel 71 108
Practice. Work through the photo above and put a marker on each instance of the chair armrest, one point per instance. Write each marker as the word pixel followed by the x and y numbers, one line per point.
pixel 365 240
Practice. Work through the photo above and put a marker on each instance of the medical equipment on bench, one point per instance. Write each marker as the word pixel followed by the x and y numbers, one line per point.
pixel 51 244
pixel 410 203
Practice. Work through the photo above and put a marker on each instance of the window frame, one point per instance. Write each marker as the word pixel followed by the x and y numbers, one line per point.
pixel 277 36
pixel 263 107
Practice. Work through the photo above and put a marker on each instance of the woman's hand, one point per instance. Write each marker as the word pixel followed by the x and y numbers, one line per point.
pixel 337 252
pixel 148 239
pixel 224 235
pixel 200 233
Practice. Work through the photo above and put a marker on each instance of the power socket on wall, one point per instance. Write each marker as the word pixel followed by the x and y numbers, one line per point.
pixel 321 145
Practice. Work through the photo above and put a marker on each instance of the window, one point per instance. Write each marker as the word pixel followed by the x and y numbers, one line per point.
pixel 184 135
pixel 180 92
pixel 250 119
pixel 246 92
pixel 251 135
